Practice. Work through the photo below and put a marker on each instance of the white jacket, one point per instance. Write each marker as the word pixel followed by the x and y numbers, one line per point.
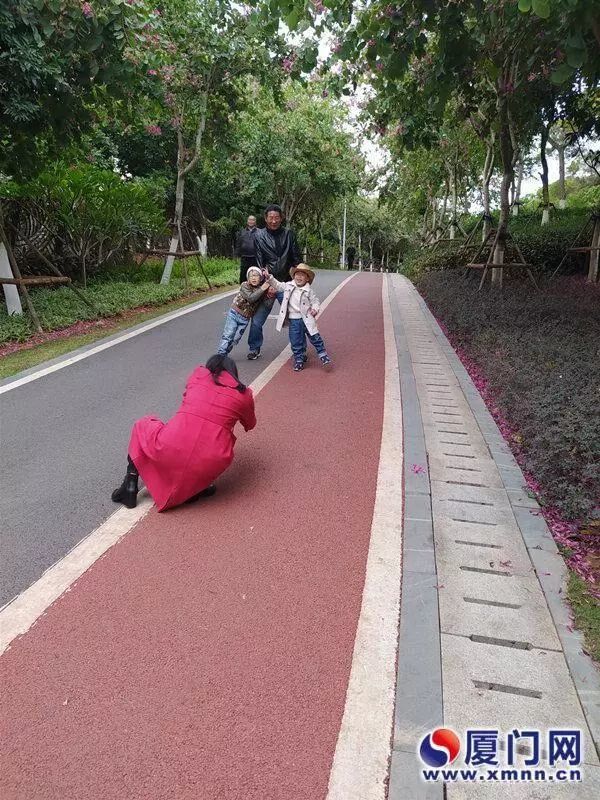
pixel 308 301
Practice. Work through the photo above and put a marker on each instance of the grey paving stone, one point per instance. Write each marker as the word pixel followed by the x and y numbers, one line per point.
pixel 419 700
pixel 406 782
pixel 417 506
pixel 466 705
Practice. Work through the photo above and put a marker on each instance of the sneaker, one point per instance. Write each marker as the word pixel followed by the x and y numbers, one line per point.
pixel 326 361
pixel 298 366
pixel 253 355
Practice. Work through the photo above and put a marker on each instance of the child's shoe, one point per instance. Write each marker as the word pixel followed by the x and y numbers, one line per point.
pixel 326 361
pixel 253 355
pixel 298 366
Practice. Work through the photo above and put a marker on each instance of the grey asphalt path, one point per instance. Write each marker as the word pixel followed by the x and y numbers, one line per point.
pixel 63 437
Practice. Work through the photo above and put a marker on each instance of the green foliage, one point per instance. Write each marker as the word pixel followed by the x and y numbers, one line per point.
pixel 92 213
pixel 536 350
pixel 113 291
pixel 56 60
pixel 543 247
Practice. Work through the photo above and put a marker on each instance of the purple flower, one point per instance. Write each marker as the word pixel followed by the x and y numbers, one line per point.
pixel 87 10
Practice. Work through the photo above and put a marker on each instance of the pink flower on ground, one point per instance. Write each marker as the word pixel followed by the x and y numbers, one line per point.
pixel 152 72
pixel 87 10
pixel 417 469
pixel 154 130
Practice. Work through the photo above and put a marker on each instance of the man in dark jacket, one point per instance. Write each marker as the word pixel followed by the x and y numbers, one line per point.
pixel 244 247
pixel 276 249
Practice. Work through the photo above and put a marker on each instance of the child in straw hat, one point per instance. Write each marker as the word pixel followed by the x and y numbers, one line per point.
pixel 299 307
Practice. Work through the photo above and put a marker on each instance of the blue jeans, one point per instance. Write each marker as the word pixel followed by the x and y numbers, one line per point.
pixel 298 336
pixel 255 336
pixel 235 325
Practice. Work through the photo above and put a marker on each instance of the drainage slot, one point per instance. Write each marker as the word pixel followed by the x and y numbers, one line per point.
pixel 438 384
pixel 464 483
pixel 500 687
pixel 446 414
pixel 478 544
pixel 456 444
pixel 456 455
pixel 475 522
pixel 454 433
pixel 490 603
pixel 468 502
pixel 474 637
pixel 487 571
pixel 465 469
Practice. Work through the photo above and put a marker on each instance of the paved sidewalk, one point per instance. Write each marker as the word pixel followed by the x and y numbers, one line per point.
pixel 479 646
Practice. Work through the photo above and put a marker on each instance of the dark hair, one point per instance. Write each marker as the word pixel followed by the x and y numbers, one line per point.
pixel 220 363
pixel 273 207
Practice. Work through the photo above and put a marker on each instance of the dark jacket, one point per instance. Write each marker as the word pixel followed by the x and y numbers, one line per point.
pixel 277 251
pixel 249 298
pixel 244 243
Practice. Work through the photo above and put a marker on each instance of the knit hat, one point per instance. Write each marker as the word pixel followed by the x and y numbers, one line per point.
pixel 253 269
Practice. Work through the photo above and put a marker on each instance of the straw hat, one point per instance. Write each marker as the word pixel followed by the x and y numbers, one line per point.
pixel 303 268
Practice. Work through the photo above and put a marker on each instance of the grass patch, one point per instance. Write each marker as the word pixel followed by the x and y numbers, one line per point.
pixel 114 291
pixel 586 613
pixel 31 357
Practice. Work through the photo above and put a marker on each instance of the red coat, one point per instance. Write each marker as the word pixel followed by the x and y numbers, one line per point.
pixel 180 458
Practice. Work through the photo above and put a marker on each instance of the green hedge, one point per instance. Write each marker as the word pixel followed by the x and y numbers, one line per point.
pixel 113 291
pixel 542 246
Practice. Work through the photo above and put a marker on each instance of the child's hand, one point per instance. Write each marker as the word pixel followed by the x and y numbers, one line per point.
pixel 314 312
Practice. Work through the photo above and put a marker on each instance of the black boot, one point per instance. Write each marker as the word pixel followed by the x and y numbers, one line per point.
pixel 208 492
pixel 128 491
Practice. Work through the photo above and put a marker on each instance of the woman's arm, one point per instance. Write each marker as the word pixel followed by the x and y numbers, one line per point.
pixel 248 417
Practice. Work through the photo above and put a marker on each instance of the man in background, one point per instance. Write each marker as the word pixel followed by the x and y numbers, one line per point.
pixel 244 247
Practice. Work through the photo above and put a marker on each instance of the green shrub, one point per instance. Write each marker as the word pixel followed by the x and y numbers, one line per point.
pixel 538 351
pixel 114 291
pixel 89 215
pixel 542 246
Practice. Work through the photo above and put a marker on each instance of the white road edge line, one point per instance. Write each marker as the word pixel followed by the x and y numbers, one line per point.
pixel 105 345
pixel 361 761
pixel 18 616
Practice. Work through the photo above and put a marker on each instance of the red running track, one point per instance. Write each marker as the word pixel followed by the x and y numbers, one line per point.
pixel 207 654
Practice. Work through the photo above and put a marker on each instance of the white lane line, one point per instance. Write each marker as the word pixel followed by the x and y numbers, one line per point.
pixel 17 616
pixel 105 345
pixel 360 763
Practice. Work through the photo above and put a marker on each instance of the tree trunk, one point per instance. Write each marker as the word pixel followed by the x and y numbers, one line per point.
pixel 562 191
pixel 173 246
pixel 544 175
pixel 507 154
pixel 517 192
pixel 488 170
pixel 454 204
pixel 11 292
pixel 360 264
pixel 370 255
pixel 595 254
pixel 17 274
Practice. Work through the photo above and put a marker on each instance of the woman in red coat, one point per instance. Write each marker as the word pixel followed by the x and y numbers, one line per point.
pixel 179 460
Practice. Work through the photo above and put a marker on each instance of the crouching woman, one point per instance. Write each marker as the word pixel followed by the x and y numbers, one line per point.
pixel 179 460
